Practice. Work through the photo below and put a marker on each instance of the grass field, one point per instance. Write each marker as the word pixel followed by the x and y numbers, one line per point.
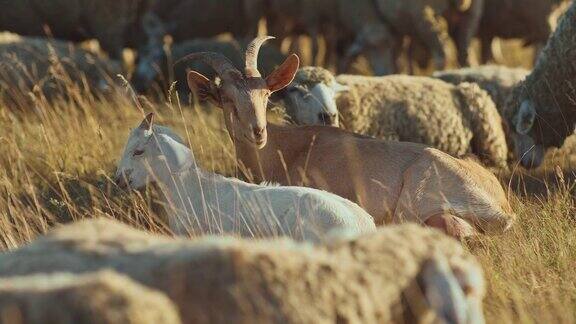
pixel 57 159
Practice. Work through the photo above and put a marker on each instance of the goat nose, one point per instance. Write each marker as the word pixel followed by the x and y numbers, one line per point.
pixel 121 179
pixel 325 118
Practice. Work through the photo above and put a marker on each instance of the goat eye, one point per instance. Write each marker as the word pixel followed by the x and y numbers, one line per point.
pixel 138 152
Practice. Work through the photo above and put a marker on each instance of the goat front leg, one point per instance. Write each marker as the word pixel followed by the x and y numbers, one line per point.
pixel 451 225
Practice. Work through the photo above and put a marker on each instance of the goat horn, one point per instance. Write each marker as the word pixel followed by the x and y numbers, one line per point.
pixel 252 56
pixel 217 61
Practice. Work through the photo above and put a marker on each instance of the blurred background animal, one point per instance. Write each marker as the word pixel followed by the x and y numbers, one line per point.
pixel 115 24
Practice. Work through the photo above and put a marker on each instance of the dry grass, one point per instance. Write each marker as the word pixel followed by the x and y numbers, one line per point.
pixel 57 159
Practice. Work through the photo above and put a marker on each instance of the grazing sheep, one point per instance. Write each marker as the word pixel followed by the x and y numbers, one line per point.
pixel 101 298
pixel 115 24
pixel 393 181
pixel 156 64
pixel 399 274
pixel 211 18
pixel 522 19
pixel 425 22
pixel 200 202
pixel 541 110
pixel 49 68
pixel 458 119
pixel 350 28
pixel 497 80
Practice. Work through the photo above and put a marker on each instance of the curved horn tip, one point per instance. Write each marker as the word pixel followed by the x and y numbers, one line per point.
pixel 252 55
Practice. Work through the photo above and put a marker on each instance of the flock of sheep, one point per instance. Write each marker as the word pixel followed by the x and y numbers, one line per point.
pixel 360 164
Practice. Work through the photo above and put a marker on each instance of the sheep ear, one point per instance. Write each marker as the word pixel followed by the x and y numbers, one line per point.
pixel 337 87
pixel 284 74
pixel 203 87
pixel 525 117
pixel 442 291
pixel 148 122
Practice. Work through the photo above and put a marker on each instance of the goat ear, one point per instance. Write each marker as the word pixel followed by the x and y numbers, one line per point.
pixel 203 87
pixel 177 155
pixel 284 74
pixel 148 122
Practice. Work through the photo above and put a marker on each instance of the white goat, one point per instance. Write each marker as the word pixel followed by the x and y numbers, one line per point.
pixel 199 202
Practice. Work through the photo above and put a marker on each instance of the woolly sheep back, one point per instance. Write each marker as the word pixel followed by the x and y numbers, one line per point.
pixel 103 297
pixel 424 110
pixel 223 280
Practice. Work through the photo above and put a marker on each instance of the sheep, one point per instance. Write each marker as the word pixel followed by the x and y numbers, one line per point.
pixel 155 63
pixel 497 80
pixel 425 22
pixel 48 68
pixel 115 24
pixel 541 108
pixel 522 19
pixel 340 22
pixel 393 181
pixel 211 18
pixel 201 202
pixel 399 274
pixel 457 119
pixel 103 297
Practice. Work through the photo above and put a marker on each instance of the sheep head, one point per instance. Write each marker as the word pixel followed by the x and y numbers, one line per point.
pixel 242 96
pixel 311 98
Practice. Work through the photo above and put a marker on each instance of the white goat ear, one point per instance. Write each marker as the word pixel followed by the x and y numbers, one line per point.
pixel 524 119
pixel 201 85
pixel 148 122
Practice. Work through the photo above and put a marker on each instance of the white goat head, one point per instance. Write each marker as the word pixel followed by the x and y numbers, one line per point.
pixel 152 153
pixel 243 97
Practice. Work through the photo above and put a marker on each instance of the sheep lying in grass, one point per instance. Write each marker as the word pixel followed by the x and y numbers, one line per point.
pixel 399 274
pixel 541 109
pixel 155 64
pixel 497 80
pixel 51 68
pixel 102 297
pixel 200 202
pixel 455 119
